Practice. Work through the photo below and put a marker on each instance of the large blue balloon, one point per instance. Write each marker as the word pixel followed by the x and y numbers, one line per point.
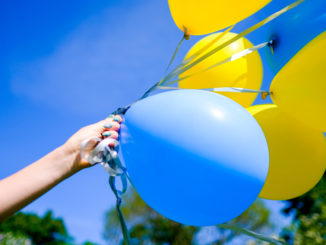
pixel 194 156
pixel 293 30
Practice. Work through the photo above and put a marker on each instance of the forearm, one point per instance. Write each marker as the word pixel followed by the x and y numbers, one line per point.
pixel 23 187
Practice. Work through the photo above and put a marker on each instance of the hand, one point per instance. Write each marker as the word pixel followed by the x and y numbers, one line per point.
pixel 106 128
pixel 21 188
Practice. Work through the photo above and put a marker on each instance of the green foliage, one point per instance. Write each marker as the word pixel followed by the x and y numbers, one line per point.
pixel 10 239
pixel 89 243
pixel 39 230
pixel 309 226
pixel 148 227
pixel 256 218
pixel 160 230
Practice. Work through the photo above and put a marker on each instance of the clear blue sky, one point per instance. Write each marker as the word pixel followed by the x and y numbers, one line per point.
pixel 65 64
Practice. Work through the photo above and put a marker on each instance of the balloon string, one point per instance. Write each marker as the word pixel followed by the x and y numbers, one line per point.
pixel 203 49
pixel 185 62
pixel 263 93
pixel 108 157
pixel 175 53
pixel 118 194
pixel 220 89
pixel 184 66
pixel 252 234
pixel 196 55
pixel 229 59
pixel 176 72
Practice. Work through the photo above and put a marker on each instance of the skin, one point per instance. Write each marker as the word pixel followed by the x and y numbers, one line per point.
pixel 23 187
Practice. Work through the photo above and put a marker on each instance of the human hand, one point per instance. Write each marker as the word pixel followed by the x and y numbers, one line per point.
pixel 106 128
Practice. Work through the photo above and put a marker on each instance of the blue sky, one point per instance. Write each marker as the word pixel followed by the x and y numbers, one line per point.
pixel 65 64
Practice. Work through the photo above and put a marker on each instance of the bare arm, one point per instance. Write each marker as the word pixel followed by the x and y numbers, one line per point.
pixel 23 187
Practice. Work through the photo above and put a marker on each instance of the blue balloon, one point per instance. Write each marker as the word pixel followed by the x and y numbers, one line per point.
pixel 293 30
pixel 194 156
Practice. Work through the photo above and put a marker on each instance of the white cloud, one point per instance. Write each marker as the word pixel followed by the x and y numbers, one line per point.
pixel 108 61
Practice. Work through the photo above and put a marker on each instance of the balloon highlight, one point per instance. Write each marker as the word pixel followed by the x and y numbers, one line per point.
pixel 194 156
pixel 245 72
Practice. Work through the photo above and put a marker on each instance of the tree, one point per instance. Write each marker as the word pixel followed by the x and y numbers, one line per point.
pixel 148 227
pixel 309 224
pixel 38 230
pixel 28 228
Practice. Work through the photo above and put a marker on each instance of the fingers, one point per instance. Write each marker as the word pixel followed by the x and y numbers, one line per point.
pixel 110 119
pixel 115 118
pixel 111 127
pixel 111 134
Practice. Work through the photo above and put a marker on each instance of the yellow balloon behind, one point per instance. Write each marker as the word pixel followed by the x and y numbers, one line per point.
pixel 297 153
pixel 245 72
pixel 201 17
pixel 300 86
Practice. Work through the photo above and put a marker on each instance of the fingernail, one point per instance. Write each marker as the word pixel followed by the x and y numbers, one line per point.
pixel 107 133
pixel 116 119
pixel 108 125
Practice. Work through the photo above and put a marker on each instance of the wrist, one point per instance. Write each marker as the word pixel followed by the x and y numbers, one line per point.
pixel 65 161
pixel 72 158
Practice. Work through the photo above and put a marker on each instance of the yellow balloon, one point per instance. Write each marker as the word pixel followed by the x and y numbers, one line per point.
pixel 201 17
pixel 300 86
pixel 245 72
pixel 297 153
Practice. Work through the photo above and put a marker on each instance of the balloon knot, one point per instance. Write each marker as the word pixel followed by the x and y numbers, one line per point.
pixel 186 36
pixel 271 44
pixel 264 95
